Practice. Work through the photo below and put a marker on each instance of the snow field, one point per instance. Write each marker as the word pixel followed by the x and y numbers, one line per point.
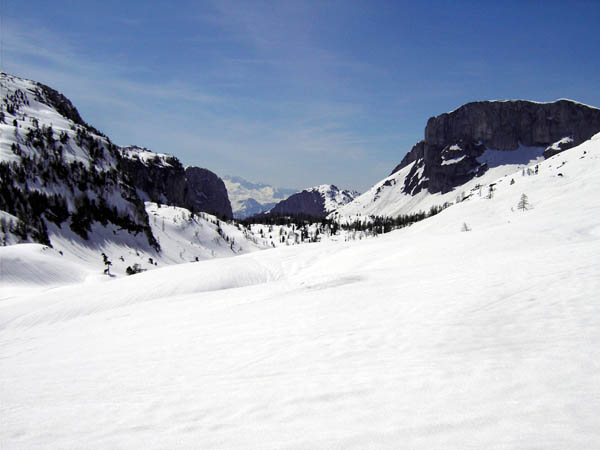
pixel 182 238
pixel 426 337
pixel 386 197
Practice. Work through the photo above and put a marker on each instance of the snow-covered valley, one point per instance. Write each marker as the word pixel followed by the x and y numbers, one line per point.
pixel 431 336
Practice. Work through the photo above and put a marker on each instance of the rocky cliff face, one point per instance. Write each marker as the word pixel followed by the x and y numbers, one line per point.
pixel 504 125
pixel 448 156
pixel 164 180
pixel 207 192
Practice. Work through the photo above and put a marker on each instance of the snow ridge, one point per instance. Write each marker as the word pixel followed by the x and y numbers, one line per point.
pixel 147 156
pixel 333 197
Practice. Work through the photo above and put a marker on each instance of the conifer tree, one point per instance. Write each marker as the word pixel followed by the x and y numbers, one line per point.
pixel 107 263
pixel 523 204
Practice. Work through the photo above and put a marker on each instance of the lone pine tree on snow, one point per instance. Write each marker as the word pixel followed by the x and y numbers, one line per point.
pixel 523 204
pixel 107 263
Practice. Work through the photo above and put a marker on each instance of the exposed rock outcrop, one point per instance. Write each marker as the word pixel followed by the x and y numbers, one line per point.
pixel 559 146
pixel 206 192
pixel 504 125
pixel 164 180
pixel 62 105
pixel 448 156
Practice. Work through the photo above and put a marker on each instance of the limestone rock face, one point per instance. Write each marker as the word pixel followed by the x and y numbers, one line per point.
pixel 164 180
pixel 160 182
pixel 207 192
pixel 504 125
pixel 448 156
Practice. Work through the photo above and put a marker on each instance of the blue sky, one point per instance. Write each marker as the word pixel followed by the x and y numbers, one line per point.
pixel 297 93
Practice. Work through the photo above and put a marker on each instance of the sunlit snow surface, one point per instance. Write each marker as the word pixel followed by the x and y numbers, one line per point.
pixel 387 198
pixel 423 338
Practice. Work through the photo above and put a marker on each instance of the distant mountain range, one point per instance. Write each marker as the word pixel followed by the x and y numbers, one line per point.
pixel 249 199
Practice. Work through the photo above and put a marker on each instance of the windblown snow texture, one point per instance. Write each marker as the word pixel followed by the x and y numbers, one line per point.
pixel 426 337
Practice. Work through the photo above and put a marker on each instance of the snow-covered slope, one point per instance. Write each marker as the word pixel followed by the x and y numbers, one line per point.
pixel 183 238
pixel 389 196
pixel 58 172
pixel 248 199
pixel 66 185
pixel 333 197
pixel 146 155
pixel 426 337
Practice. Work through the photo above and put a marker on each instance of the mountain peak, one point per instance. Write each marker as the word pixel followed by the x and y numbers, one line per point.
pixel 476 142
pixel 317 201
pixel 62 177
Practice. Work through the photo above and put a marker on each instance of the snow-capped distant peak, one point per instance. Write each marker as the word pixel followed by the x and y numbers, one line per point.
pixel 333 196
pixel 248 198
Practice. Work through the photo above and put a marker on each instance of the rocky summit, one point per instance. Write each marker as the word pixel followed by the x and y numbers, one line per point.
pixel 448 156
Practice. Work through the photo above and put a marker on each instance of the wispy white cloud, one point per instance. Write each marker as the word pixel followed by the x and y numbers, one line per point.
pixel 48 56
pixel 279 139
